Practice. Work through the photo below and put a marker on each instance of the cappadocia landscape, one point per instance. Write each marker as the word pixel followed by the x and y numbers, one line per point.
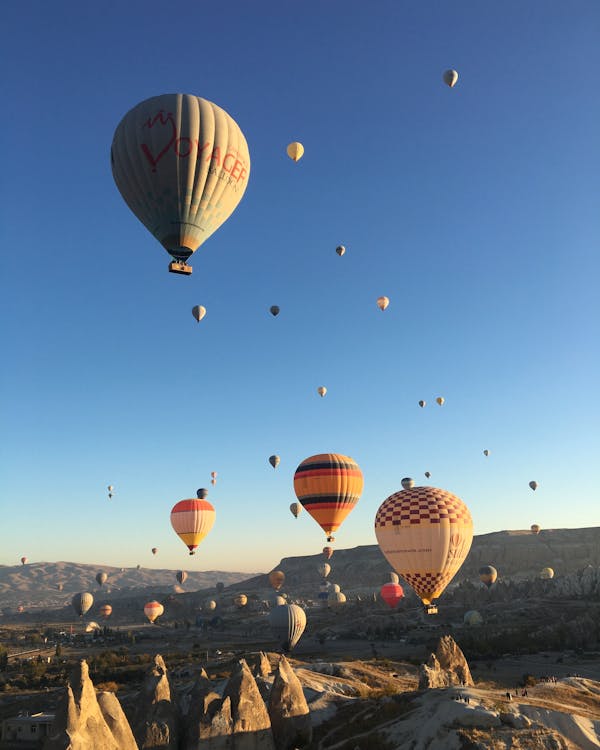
pixel 300 336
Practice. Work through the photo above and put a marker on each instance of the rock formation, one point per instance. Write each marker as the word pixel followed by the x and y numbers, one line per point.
pixel 209 725
pixel 156 718
pixel 263 665
pixel 446 667
pixel 251 723
pixel 288 710
pixel 80 722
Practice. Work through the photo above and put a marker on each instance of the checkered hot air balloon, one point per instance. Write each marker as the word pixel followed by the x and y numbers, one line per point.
pixel 328 485
pixel 425 534
pixel 192 520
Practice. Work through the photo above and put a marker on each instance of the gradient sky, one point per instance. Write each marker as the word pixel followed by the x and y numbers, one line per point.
pixel 475 210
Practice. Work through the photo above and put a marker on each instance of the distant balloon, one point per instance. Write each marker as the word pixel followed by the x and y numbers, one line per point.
pixel 324 569
pixel 428 474
pixel 153 610
pixel 210 605
pixel 488 575
pixel 450 78
pixel 321 390
pixel 106 611
pixel 440 400
pixel 20 609
pixel 340 250
pixel 328 485
pixel 276 579
pixel 240 600
pixel 392 593
pixel 287 622
pixel 295 151
pixel 472 618
pixel 154 550
pixel 202 494
pixel 198 312
pixel 407 483
pixel 422 404
pixel 60 586
pixel 101 578
pixel 486 452
pixel 213 482
pixel 327 552
pixel 274 310
pixel 336 598
pixel 535 528
pixel 213 474
pixel 546 573
pixel 274 461
pixel 192 520
pixel 23 560
pixel 82 602
pixel 138 567
pixel 382 302
pixel 394 577
pixel 295 509
pixel 181 576
pixel 275 600
pixel 533 485
pixel 335 587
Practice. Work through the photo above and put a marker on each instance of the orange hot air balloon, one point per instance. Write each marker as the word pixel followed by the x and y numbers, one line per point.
pixel 106 611
pixel 193 519
pixel 382 303
pixel 327 552
pixel 277 579
pixel 23 560
pixel 153 610
pixel 391 593
pixel 328 485
pixel 425 534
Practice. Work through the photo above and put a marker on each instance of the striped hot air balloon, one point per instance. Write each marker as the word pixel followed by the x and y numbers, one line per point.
pixel 192 520
pixel 153 610
pixel 287 623
pixel 106 611
pixel 328 485
pixel 425 533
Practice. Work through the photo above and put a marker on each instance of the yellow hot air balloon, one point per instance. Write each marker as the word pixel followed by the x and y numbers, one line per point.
pixel 295 151
pixel 440 400
pixel 192 520
pixel 277 579
pixel 425 534
pixel 240 600
pixel 198 312
pixel 546 573
pixel 328 485
pixel 182 165
pixel 450 78
pixel 488 575
pixel 153 610
pixel 321 390
pixel 382 302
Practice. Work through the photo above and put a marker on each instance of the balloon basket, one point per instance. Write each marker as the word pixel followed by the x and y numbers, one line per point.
pixel 180 267
pixel 431 609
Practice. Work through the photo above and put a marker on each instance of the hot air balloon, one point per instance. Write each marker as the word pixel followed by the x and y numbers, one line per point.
pixel 82 602
pixel 110 491
pixel 213 482
pixel 328 485
pixel 391 593
pixel 425 534
pixel 287 622
pixel 324 591
pixel 60 586
pixel 209 605
pixel 275 600
pixel 428 474
pixel 101 578
pixel 488 575
pixel 92 626
pixel 321 390
pixel 407 483
pixel 23 560
pixel 276 579
pixel 138 566
pixel 382 303
pixel 20 609
pixel 535 528
pixel 154 550
pixel 327 552
pixel 181 576
pixel 486 452
pixel 533 485
pixel 106 611
pixel 295 509
pixel 213 474
pixel 340 250
pixel 274 461
pixel 450 78
pixel 274 310
pixel 335 587
pixel 182 165
pixel 192 520
pixel 336 598
pixel 198 312
pixel 324 569
pixel 472 618
pixel 394 577
pixel 240 600
pixel 422 404
pixel 546 573
pixel 440 400
pixel 153 610
pixel 295 151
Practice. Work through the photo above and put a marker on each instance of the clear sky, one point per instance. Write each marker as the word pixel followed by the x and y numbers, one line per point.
pixel 476 210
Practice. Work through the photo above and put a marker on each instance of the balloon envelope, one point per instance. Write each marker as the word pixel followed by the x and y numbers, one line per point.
pixel 327 552
pixel 340 250
pixel 394 577
pixel 533 485
pixel 198 312
pixel 153 610
pixel 274 310
pixel 192 520
pixel 82 602
pixel 407 483
pixel 488 575
pixel 154 550
pixel 295 150
pixel 450 78
pixel 324 569
pixel 295 509
pixel 106 611
pixel 486 452
pixel 287 622
pixel 181 164
pixel 382 303
pixel 328 485
pixel 276 579
pixel 392 593
pixel 23 560
pixel 473 618
pixel 546 573
pixel 535 528
pixel 181 576
pixel 422 404
pixel 101 578
pixel 440 400
pixel 425 534
pixel 321 390
pixel 274 461
pixel 240 600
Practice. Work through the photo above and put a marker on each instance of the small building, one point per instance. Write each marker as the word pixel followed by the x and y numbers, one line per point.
pixel 26 731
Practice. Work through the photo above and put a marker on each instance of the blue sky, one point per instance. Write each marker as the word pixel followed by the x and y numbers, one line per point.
pixel 475 210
